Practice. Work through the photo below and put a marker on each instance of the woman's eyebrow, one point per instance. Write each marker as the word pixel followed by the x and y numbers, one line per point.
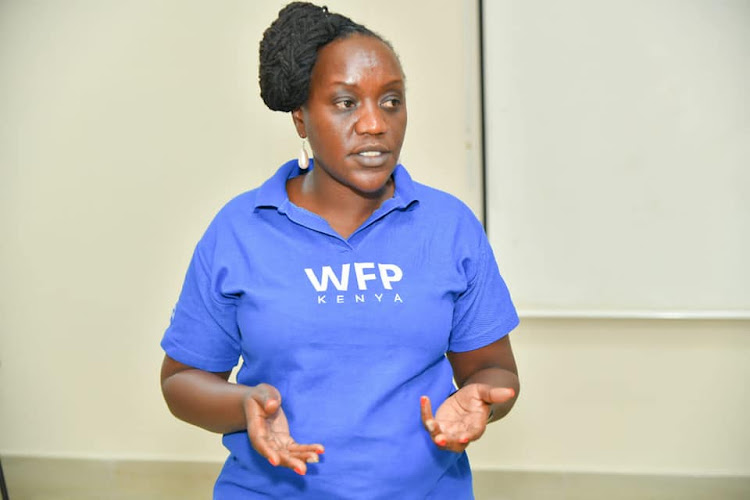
pixel 343 83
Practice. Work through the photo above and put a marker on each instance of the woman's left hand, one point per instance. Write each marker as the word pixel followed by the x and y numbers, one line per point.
pixel 462 418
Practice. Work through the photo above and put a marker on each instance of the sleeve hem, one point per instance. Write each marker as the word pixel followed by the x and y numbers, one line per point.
pixel 487 338
pixel 216 365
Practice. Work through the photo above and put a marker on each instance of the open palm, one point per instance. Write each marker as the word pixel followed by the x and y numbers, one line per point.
pixel 462 417
pixel 268 430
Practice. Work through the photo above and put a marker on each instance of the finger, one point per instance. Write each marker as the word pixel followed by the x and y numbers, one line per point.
pixel 449 443
pixel 318 449
pixel 449 440
pixel 266 447
pixel 268 397
pixel 491 395
pixel 306 453
pixel 309 457
pixel 428 419
pixel 440 439
pixel 297 464
pixel 309 453
pixel 426 411
pixel 271 406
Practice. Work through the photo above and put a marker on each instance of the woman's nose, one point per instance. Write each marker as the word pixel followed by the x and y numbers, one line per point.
pixel 370 120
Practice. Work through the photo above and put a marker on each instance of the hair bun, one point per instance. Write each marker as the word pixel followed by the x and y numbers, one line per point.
pixel 289 49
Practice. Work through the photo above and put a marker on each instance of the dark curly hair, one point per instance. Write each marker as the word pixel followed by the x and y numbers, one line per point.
pixel 289 49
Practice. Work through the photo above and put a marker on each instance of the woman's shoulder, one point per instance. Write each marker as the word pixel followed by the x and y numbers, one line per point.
pixel 238 211
pixel 238 208
pixel 243 203
pixel 270 194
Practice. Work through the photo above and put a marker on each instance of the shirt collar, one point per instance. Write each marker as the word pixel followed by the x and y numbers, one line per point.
pixel 272 193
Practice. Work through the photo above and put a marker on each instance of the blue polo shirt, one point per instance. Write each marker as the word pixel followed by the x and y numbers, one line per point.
pixel 352 331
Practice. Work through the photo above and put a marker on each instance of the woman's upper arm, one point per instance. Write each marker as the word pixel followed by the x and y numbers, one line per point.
pixel 171 366
pixel 498 354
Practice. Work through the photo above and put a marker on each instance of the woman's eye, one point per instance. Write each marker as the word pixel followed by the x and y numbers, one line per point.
pixel 392 102
pixel 345 104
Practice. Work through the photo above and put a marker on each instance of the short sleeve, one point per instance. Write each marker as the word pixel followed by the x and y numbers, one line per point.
pixel 203 332
pixel 484 312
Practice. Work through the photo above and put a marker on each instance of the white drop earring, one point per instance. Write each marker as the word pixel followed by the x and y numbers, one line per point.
pixel 304 159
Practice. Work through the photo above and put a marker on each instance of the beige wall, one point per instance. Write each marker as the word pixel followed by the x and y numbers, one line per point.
pixel 630 396
pixel 125 125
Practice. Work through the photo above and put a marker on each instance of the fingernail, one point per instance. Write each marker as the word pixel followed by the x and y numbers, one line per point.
pixel 273 462
pixel 319 452
pixel 441 442
pixel 299 471
pixel 464 440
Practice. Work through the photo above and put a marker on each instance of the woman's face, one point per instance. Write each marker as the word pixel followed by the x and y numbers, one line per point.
pixel 355 115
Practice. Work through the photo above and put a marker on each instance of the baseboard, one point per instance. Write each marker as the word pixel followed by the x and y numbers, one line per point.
pixel 48 478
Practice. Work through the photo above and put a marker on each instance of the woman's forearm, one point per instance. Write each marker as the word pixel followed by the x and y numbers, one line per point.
pixel 206 400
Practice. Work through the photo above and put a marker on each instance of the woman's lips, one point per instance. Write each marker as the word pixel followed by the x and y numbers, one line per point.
pixel 371 158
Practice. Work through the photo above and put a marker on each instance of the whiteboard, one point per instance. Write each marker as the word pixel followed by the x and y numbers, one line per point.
pixel 617 144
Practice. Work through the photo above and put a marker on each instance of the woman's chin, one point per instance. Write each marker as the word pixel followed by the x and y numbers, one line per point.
pixel 372 184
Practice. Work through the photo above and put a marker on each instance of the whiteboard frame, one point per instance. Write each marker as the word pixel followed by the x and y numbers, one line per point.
pixel 584 313
pixel 635 315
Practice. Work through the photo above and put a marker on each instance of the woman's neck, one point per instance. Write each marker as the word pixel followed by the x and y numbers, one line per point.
pixel 344 208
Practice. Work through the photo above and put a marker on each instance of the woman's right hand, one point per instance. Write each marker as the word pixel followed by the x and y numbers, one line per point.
pixel 268 430
pixel 208 400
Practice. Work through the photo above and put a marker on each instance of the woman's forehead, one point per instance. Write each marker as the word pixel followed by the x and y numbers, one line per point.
pixel 356 57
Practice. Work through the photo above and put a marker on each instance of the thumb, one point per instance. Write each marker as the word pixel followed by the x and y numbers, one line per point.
pixel 492 395
pixel 267 396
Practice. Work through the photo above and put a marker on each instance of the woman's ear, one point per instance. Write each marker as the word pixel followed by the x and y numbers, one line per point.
pixel 298 117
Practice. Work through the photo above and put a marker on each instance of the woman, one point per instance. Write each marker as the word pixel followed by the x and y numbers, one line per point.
pixel 352 294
